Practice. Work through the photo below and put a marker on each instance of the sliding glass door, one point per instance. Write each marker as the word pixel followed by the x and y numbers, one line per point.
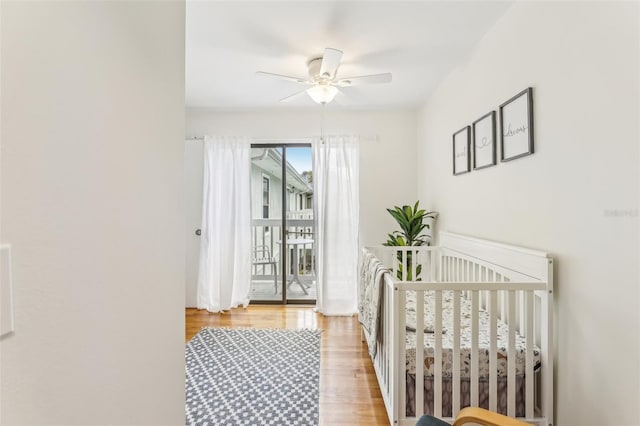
pixel 283 269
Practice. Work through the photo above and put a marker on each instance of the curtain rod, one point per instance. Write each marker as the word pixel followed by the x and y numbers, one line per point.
pixel 374 138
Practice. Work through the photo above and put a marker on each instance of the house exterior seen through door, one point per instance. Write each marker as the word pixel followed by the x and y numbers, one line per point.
pixel 283 269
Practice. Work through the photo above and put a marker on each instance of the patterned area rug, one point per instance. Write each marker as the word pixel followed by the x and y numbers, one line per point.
pixel 252 377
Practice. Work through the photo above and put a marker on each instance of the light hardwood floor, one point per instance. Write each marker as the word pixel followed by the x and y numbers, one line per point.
pixel 349 393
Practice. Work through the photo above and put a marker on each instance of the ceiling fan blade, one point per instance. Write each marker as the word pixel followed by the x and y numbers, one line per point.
pixel 364 79
pixel 330 62
pixel 292 97
pixel 284 77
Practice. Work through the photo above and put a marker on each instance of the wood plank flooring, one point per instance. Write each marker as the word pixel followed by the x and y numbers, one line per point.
pixel 349 393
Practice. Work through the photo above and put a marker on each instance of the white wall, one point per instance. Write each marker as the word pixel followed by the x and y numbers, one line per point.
pixel 582 61
pixel 387 166
pixel 92 145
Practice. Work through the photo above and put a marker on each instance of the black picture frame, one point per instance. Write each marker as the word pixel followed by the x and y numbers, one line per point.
pixel 516 140
pixel 461 145
pixel 484 154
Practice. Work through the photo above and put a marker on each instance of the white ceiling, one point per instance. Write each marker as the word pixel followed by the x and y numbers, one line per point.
pixel 419 42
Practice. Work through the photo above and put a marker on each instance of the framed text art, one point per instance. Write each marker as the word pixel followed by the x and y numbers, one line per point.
pixel 516 126
pixel 461 158
pixel 484 141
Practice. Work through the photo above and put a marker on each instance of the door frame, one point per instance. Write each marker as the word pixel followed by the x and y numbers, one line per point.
pixel 283 250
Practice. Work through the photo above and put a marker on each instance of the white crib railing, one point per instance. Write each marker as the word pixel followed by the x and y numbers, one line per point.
pixel 513 286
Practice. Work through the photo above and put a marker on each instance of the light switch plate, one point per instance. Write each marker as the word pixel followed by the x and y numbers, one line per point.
pixel 6 291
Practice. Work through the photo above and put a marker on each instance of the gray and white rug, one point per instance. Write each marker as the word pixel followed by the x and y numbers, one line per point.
pixel 252 377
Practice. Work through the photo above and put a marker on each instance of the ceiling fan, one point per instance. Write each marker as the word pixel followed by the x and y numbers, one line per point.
pixel 323 78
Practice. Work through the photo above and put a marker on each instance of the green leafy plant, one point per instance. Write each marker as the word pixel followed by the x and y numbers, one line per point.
pixel 411 222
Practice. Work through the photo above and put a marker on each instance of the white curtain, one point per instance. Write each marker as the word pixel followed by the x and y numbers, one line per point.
pixel 224 275
pixel 336 209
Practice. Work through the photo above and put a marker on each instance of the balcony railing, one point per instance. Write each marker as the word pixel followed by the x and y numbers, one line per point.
pixel 301 214
pixel 266 232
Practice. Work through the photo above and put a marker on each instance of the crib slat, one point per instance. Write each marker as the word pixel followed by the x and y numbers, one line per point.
pixel 385 337
pixel 452 269
pixel 463 269
pixel 456 355
pixel 404 265
pixel 419 382
pixel 529 378
pixel 437 359
pixel 519 314
pixel 475 330
pixel 503 300
pixel 389 355
pixel 442 273
pixel 493 352
pixel 389 345
pixel 432 265
pixel 454 265
pixel 467 266
pixel 411 260
pixel 379 358
pixel 402 355
pixel 511 360
pixel 442 264
pixel 445 269
pixel 483 295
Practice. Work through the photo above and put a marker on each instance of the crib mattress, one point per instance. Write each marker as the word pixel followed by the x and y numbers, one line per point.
pixel 465 339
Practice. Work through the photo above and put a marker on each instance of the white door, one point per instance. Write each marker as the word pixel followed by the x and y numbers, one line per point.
pixel 193 169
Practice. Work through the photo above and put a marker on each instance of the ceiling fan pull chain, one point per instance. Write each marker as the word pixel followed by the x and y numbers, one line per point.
pixel 322 124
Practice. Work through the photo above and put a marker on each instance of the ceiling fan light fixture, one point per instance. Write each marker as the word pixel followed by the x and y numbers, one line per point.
pixel 322 93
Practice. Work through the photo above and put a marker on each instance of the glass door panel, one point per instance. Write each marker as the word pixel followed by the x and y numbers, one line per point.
pixel 301 279
pixel 266 226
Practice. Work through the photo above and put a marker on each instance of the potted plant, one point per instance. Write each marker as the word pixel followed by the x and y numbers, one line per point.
pixel 412 225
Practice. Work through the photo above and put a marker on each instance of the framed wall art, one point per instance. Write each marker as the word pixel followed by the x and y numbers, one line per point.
pixel 516 126
pixel 484 141
pixel 461 157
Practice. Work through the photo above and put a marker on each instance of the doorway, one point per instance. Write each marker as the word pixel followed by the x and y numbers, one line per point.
pixel 283 249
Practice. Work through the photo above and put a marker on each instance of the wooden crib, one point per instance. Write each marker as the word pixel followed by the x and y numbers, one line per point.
pixel 489 313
